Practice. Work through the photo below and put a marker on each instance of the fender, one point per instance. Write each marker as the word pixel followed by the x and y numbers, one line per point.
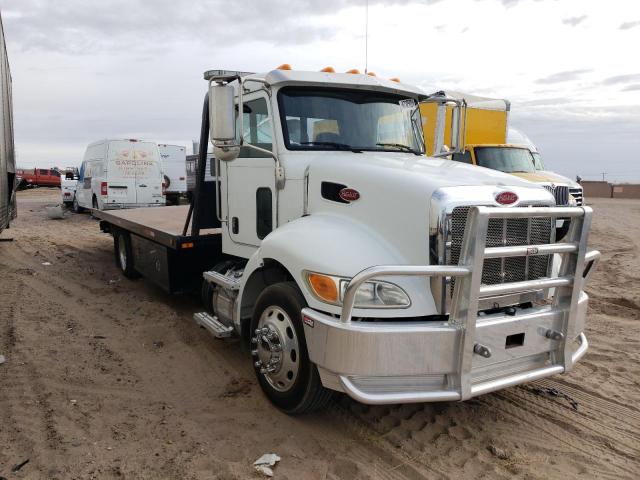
pixel 339 247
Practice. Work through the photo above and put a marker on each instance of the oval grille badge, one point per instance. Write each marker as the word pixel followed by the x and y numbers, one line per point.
pixel 349 194
pixel 506 198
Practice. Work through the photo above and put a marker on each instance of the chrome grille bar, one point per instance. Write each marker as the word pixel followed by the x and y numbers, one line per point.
pixel 514 287
pixel 526 250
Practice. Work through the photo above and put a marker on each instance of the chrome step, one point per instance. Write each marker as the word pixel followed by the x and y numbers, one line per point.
pixel 211 323
pixel 222 280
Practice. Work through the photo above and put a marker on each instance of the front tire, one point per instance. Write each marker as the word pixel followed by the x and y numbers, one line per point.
pixel 124 254
pixel 76 206
pixel 279 351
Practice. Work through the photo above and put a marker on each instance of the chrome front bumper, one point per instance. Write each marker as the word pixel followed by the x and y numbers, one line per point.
pixel 472 353
pixel 403 362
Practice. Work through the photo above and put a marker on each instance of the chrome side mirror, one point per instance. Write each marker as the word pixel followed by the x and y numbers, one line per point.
pixel 222 122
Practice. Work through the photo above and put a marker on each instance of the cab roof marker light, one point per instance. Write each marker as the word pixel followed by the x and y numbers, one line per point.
pixel 353 71
pixel 284 66
pixel 328 70
pixel 371 74
pixel 395 79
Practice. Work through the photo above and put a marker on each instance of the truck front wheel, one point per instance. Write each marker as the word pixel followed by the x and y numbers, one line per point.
pixel 124 254
pixel 279 352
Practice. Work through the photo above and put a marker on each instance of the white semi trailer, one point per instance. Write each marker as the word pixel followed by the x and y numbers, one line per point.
pixel 7 155
pixel 348 261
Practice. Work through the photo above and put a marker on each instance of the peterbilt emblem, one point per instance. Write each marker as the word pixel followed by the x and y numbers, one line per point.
pixel 349 194
pixel 506 198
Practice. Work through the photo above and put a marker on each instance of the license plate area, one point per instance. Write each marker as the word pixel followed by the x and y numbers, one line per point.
pixel 514 337
pixel 515 340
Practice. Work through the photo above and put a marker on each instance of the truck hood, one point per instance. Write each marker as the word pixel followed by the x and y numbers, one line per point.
pixel 395 193
pixel 545 176
pixel 407 169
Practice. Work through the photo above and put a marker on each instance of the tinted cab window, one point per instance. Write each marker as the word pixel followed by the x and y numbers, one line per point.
pixel 463 157
pixel 256 128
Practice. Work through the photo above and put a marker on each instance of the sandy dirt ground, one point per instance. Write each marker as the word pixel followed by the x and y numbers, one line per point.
pixel 110 378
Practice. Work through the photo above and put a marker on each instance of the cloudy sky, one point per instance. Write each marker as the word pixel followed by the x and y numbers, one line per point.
pixel 85 70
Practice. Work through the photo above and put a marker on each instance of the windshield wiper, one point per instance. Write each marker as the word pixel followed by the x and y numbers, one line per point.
pixel 404 148
pixel 336 145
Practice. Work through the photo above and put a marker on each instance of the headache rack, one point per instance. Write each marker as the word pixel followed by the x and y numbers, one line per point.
pixel 469 290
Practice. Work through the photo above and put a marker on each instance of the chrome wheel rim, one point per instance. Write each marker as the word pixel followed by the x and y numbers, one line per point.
pixel 122 253
pixel 276 349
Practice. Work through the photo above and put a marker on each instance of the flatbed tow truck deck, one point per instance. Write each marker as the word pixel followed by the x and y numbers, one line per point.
pixel 164 225
pixel 173 258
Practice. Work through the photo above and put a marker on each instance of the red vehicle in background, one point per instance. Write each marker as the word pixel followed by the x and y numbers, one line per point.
pixel 38 177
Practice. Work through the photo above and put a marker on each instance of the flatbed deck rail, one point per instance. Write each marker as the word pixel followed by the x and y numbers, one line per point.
pixel 575 267
pixel 163 225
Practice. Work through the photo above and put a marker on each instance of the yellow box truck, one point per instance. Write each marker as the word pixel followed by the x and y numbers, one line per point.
pixel 482 120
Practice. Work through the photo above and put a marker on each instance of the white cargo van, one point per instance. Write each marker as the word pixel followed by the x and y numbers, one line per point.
pixel 174 170
pixel 120 174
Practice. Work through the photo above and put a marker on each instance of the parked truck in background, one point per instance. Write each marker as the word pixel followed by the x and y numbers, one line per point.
pixel 68 185
pixel 174 171
pixel 349 261
pixel 38 177
pixel 518 160
pixel 468 119
pixel 192 169
pixel 120 173
pixel 562 187
pixel 7 155
pixel 482 126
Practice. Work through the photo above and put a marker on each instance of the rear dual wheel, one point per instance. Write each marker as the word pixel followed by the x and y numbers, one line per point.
pixel 279 350
pixel 124 254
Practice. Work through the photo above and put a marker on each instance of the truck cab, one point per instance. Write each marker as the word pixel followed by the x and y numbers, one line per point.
pixel 363 266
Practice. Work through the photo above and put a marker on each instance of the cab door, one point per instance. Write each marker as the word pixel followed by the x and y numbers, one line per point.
pixel 250 183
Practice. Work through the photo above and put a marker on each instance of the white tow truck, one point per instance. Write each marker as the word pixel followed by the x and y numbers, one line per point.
pixel 348 261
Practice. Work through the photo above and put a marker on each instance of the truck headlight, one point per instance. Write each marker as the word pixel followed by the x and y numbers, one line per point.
pixel 372 294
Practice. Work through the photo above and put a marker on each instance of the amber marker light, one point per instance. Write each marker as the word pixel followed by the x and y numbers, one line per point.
pixel 328 70
pixel 353 71
pixel 371 74
pixel 284 66
pixel 395 79
pixel 324 287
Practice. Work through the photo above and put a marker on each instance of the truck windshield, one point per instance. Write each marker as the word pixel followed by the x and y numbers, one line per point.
pixel 356 120
pixel 537 161
pixel 508 160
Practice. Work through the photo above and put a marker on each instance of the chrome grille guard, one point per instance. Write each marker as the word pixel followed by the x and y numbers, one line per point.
pixel 577 264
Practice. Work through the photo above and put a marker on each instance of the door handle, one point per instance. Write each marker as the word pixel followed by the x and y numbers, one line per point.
pixel 142 185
